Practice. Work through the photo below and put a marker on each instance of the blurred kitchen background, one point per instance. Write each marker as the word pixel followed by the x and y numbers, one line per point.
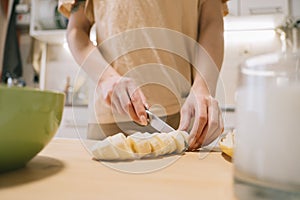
pixel 37 48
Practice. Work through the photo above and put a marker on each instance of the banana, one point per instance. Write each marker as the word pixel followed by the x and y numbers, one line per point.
pixel 227 144
pixel 179 140
pixel 104 150
pixel 139 144
pixel 185 135
pixel 156 145
pixel 168 144
pixel 121 145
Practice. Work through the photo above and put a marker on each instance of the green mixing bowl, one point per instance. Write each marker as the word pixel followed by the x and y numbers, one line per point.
pixel 29 119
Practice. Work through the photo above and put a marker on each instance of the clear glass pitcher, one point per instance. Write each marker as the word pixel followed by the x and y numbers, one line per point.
pixel 267 151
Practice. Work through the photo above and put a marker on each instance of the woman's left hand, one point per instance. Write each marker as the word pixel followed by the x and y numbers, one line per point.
pixel 202 114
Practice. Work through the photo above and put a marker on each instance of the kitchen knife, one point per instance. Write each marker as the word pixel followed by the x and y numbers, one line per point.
pixel 158 124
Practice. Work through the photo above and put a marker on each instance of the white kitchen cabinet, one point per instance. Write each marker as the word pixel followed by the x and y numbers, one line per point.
pixel 45 31
pixel 43 24
pixel 233 7
pixel 295 9
pixel 258 7
pixel 49 25
pixel 44 27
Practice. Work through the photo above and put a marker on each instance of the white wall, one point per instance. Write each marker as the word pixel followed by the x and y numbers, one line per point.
pixel 60 64
pixel 26 56
pixel 239 45
pixel 295 9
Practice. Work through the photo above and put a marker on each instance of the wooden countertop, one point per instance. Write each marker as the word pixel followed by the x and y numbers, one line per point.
pixel 65 170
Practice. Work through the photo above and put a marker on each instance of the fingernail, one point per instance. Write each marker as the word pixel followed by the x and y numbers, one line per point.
pixel 146 105
pixel 192 145
pixel 143 120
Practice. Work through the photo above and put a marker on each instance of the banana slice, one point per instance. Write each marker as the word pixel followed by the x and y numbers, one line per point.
pixel 179 140
pixel 227 144
pixel 104 150
pixel 168 144
pixel 121 145
pixel 139 144
pixel 156 145
pixel 185 135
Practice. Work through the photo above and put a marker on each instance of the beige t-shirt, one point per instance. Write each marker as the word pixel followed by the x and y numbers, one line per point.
pixel 149 41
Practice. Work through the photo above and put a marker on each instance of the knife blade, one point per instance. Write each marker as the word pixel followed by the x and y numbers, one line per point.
pixel 158 124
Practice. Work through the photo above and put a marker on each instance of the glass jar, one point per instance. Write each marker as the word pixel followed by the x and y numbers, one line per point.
pixel 267 151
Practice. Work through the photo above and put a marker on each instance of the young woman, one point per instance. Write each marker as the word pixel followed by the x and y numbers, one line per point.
pixel 162 55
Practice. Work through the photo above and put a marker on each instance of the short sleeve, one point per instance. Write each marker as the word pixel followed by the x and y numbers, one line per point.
pixel 89 10
pixel 65 8
pixel 225 7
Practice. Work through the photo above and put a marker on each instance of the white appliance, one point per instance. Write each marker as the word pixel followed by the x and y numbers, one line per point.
pixel 246 36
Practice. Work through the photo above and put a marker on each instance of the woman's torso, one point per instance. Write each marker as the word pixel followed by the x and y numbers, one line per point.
pixel 137 37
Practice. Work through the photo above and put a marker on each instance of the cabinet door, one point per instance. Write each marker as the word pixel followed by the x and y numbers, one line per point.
pixel 233 7
pixel 257 7
pixel 295 9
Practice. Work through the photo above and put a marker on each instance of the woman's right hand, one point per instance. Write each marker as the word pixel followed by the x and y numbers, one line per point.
pixel 124 97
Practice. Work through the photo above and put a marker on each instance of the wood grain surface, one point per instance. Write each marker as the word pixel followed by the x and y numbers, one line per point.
pixel 65 170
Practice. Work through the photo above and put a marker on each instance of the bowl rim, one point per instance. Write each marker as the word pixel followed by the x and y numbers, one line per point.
pixel 28 89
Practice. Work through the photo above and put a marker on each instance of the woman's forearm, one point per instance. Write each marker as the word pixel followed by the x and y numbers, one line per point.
pixel 89 57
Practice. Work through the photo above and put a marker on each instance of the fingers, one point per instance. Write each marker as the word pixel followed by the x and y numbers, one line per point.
pixel 131 112
pixel 199 125
pixel 186 115
pixel 121 101
pixel 213 122
pixel 221 122
pixel 137 102
pixel 220 125
pixel 126 98
pixel 107 98
pixel 143 98
pixel 116 104
pixel 208 124
pixel 106 89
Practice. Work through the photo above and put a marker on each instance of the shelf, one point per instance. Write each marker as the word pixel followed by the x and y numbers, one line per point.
pixel 57 36
pixel 254 22
pixel 50 36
